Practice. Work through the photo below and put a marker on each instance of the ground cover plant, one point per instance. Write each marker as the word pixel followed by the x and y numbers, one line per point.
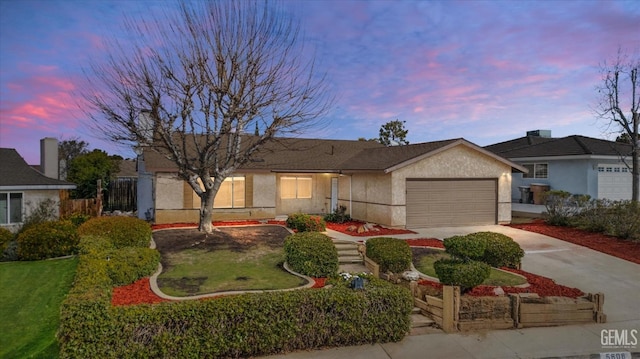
pixel 30 298
pixel 234 258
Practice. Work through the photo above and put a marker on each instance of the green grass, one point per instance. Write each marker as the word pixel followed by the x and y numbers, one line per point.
pixel 196 271
pixel 30 298
pixel 497 277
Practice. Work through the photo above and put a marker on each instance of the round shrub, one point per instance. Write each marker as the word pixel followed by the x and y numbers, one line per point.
pixel 393 255
pixel 466 274
pixel 126 265
pixel 303 222
pixel 123 231
pixel 48 240
pixel 6 236
pixel 465 247
pixel 500 251
pixel 312 254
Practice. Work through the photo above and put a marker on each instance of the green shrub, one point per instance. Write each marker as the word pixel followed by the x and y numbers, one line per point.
pixel 465 247
pixel 303 222
pixel 500 250
pixel 466 274
pixel 6 236
pixel 625 220
pixel 127 265
pixel 245 325
pixel 8 245
pixel 339 215
pixel 47 240
pixel 562 206
pixel 393 255
pixel 43 211
pixel 78 218
pixel 312 254
pixel 123 231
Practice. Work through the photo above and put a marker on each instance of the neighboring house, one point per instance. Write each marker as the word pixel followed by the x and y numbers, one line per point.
pixel 443 183
pixel 22 187
pixel 576 164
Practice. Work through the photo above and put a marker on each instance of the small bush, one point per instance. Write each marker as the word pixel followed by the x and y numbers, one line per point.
pixel 500 250
pixel 8 245
pixel 48 240
pixel 303 222
pixel 393 255
pixel 123 231
pixel 127 265
pixel 78 218
pixel 44 211
pixel 562 206
pixel 465 247
pixel 339 215
pixel 466 274
pixel 311 254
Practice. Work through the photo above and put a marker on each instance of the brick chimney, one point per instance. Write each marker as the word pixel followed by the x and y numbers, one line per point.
pixel 49 157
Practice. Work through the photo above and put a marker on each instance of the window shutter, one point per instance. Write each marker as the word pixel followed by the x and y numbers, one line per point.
pixel 248 188
pixel 187 196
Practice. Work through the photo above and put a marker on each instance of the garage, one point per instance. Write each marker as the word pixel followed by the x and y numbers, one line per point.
pixel 451 202
pixel 614 182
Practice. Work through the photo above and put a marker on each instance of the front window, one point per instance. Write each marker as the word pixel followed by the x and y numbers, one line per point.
pixel 536 170
pixel 230 194
pixel 295 187
pixel 10 208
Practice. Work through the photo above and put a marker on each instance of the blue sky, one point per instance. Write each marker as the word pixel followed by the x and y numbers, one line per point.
pixel 487 71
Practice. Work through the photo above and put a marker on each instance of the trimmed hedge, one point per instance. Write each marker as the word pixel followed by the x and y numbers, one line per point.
pixel 465 247
pixel 312 254
pixel 233 326
pixel 127 265
pixel 303 222
pixel 500 250
pixel 393 255
pixel 123 231
pixel 246 325
pixel 47 240
pixel 466 274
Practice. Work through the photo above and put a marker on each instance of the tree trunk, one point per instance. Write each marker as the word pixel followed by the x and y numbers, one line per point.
pixel 206 212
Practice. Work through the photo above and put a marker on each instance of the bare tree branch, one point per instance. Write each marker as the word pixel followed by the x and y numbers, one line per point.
pixel 202 77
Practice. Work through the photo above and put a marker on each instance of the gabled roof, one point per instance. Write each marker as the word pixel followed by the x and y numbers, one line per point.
pixel 533 146
pixel 319 155
pixel 16 174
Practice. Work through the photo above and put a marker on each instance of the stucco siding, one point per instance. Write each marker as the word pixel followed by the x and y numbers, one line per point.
pixel 457 162
pixel 169 191
pixel 317 204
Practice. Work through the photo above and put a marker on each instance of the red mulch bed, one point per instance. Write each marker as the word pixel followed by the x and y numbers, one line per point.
pixel 616 247
pixel 380 231
pixel 543 286
pixel 425 242
pixel 138 292
pixel 215 224
pixel 319 282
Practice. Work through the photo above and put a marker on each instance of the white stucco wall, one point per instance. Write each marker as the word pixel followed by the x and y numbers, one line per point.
pixel 169 191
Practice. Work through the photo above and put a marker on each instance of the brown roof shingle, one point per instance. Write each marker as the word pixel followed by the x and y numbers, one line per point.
pixel 532 146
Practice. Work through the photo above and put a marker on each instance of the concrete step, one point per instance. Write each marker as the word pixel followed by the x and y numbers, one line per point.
pixel 416 310
pixel 348 252
pixel 350 259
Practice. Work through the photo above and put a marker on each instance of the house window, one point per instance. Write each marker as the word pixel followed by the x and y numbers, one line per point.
pixel 536 170
pixel 295 187
pixel 10 208
pixel 230 194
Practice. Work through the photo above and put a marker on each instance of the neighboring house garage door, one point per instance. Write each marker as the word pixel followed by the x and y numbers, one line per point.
pixel 451 202
pixel 614 182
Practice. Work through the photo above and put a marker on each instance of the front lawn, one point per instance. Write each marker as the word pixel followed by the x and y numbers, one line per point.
pixel 231 259
pixel 30 298
pixel 423 259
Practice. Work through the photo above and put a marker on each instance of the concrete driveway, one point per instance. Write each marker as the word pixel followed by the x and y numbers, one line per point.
pixel 572 265
pixel 567 264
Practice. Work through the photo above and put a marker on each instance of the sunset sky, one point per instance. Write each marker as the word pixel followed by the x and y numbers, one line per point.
pixel 487 71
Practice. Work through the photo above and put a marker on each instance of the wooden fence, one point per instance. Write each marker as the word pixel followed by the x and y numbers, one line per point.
pixel 90 206
pixel 454 312
pixel 121 195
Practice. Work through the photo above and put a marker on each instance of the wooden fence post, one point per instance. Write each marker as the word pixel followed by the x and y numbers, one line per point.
pixel 450 308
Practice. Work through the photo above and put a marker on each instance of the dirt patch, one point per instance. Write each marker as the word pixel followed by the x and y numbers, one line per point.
pixel 237 239
pixel 190 286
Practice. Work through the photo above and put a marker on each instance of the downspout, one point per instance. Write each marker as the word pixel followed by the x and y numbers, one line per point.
pixel 350 199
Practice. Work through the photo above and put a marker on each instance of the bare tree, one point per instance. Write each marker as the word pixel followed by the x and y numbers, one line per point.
pixel 620 91
pixel 203 77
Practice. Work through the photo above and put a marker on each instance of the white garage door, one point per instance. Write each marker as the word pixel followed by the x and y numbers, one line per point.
pixel 451 202
pixel 614 182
